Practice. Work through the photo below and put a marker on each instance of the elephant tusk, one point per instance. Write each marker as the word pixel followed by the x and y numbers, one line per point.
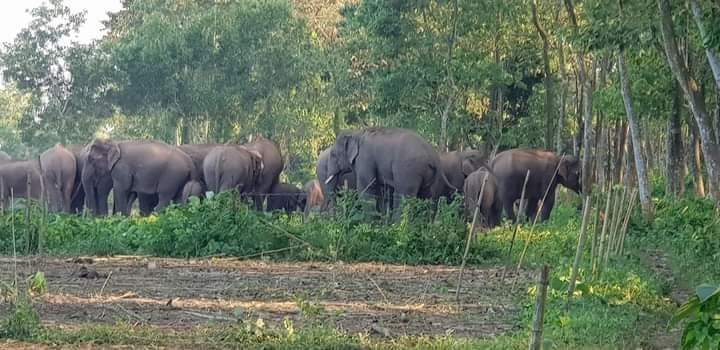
pixel 330 178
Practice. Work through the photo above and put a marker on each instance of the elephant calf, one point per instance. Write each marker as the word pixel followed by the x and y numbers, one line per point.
pixel 15 178
pixel 490 206
pixel 314 195
pixel 286 197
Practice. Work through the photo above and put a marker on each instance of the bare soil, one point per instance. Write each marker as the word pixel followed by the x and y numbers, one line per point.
pixel 378 299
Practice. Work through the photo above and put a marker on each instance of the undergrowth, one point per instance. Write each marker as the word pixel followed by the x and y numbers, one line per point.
pixel 615 309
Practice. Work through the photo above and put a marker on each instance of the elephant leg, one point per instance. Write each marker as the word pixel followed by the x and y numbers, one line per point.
pixel 147 203
pixel 121 200
pixel 509 208
pixel 164 199
pixel 547 207
pixel 531 208
pixel 103 192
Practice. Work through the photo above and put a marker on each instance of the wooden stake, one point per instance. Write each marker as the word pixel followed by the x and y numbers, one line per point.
pixel 517 224
pixel 537 332
pixel 580 246
pixel 596 231
pixel 603 237
pixel 617 220
pixel 608 237
pixel 631 207
pixel 469 238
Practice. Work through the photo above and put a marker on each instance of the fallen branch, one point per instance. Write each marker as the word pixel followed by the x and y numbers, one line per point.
pixel 105 284
pixel 211 317
pixel 268 252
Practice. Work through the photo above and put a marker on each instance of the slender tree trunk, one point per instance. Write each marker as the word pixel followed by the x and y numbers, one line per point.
pixel 712 56
pixel 630 173
pixel 673 165
pixel 643 185
pixel 585 80
pixel 563 100
pixel 690 88
pixel 619 150
pixel 548 79
pixel 450 80
pixel 696 157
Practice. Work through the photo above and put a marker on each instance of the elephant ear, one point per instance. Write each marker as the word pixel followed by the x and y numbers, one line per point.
pixel 113 155
pixel 352 148
pixel 565 167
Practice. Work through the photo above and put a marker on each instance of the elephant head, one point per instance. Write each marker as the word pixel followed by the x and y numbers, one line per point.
pixel 342 156
pixel 569 172
pixel 471 161
pixel 102 154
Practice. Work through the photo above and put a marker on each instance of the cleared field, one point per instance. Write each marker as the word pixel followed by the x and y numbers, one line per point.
pixel 378 299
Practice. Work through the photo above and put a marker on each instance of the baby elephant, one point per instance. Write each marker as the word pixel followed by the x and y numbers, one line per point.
pixel 288 197
pixel 490 206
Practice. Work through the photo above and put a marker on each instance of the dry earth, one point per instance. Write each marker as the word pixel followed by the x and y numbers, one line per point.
pixel 364 297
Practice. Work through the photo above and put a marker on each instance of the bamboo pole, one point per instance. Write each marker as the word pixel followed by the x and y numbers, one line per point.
pixel 517 225
pixel 469 238
pixel 580 246
pixel 617 220
pixel 603 237
pixel 631 207
pixel 537 331
pixel 608 235
pixel 596 231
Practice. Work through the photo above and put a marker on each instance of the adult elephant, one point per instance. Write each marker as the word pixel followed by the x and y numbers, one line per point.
pixel 510 168
pixel 457 166
pixel 15 177
pixel 5 158
pixel 398 159
pixel 273 165
pixel 287 197
pixel 329 189
pixel 490 205
pixel 229 167
pixel 197 153
pixel 145 168
pixel 58 168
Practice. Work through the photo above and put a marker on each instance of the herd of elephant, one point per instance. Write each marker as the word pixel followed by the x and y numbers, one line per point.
pixel 384 164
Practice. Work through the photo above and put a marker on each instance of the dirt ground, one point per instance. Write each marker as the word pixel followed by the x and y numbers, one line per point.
pixel 379 299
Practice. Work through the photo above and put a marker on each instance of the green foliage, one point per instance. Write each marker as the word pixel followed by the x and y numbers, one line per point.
pixel 38 283
pixel 23 321
pixel 702 312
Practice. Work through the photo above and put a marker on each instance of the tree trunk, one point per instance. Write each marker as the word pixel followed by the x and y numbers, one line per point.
pixel 585 81
pixel 620 133
pixel 673 165
pixel 630 173
pixel 563 98
pixel 549 107
pixel 696 157
pixel 697 104
pixel 643 185
pixel 712 56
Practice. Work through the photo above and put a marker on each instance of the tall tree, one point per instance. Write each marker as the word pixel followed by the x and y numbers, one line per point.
pixel 691 90
pixel 547 79
pixel 710 51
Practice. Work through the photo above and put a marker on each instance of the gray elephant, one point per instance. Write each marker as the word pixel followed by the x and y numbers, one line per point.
pixel 397 159
pixel 5 158
pixel 197 153
pixel 273 165
pixel 457 165
pixel 146 168
pixel 58 168
pixel 490 205
pixel 329 189
pixel 231 167
pixel 510 168
pixel 95 177
pixel 14 182
pixel 287 197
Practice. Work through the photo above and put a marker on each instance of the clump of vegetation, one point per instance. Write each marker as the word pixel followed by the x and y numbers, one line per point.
pixel 23 322
pixel 702 313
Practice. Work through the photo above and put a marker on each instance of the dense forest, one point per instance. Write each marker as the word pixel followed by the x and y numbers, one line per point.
pixel 630 88
pixel 465 74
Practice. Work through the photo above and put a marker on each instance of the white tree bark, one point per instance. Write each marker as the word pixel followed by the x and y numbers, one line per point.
pixel 643 184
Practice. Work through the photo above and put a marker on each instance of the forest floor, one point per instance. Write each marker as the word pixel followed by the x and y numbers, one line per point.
pixel 377 299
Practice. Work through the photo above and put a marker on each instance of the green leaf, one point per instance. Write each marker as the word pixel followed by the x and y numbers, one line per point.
pixel 706 291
